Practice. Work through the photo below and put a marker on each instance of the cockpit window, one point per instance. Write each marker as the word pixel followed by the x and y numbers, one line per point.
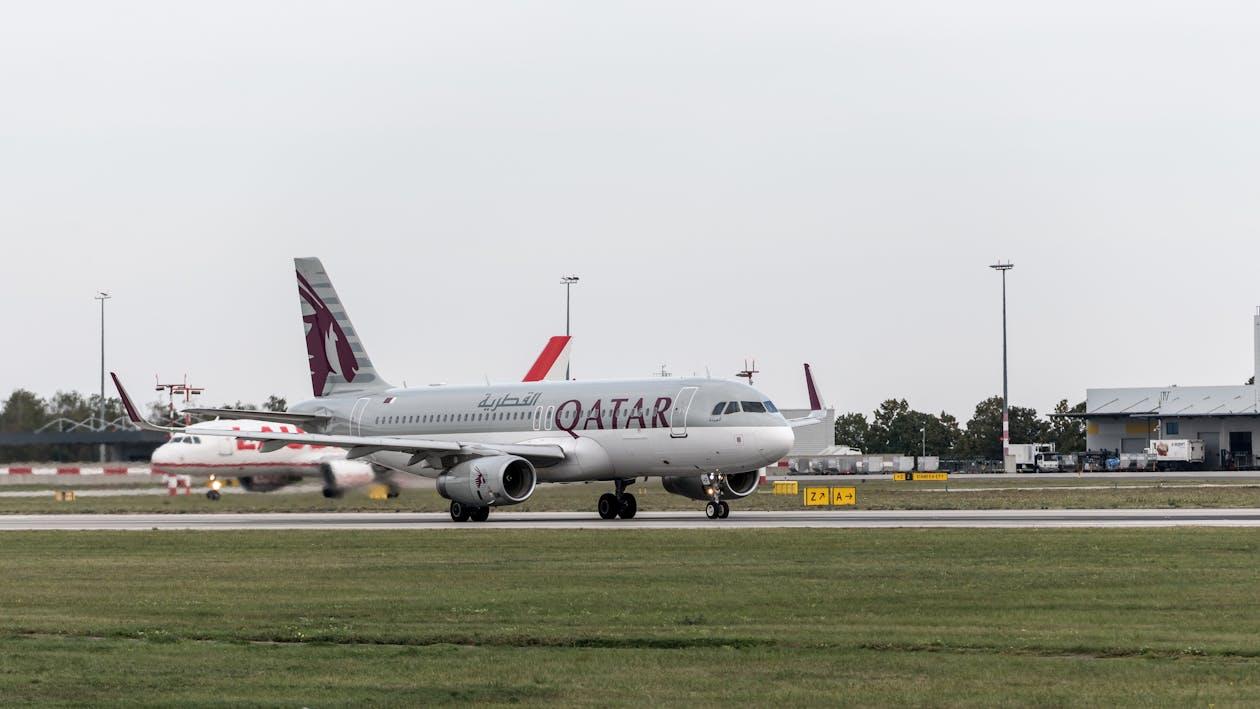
pixel 771 407
pixel 732 408
pixel 717 410
pixel 753 407
pixel 195 439
pixel 177 439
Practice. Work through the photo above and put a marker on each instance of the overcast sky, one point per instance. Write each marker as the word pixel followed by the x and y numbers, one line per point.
pixel 819 182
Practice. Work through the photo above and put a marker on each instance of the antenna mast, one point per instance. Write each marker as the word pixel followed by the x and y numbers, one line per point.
pixel 747 372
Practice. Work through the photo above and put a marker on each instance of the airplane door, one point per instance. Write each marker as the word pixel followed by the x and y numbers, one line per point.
pixel 356 416
pixel 678 417
pixel 226 445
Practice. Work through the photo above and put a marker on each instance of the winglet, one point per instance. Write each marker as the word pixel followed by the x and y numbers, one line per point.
pixel 552 361
pixel 815 403
pixel 134 414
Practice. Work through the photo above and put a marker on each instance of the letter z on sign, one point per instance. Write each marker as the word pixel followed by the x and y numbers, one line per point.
pixel 817 496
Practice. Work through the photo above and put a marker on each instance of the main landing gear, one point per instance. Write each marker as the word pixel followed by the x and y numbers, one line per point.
pixel 462 513
pixel 620 504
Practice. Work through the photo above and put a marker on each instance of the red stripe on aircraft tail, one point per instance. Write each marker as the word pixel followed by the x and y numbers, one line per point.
pixel 814 403
pixel 547 360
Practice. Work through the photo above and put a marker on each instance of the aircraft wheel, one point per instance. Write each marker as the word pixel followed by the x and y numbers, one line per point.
pixel 393 491
pixel 712 511
pixel 213 495
pixel 724 510
pixel 479 514
pixel 333 493
pixel 459 512
pixel 608 505
pixel 629 506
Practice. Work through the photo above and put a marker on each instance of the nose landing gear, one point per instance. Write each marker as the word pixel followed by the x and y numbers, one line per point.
pixel 620 504
pixel 717 507
pixel 717 510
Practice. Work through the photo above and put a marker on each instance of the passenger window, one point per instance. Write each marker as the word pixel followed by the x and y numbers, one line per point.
pixel 753 407
pixel 732 408
pixel 717 410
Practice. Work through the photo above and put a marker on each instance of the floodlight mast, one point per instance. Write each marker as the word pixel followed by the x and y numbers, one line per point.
pixel 1006 420
pixel 102 296
pixel 568 282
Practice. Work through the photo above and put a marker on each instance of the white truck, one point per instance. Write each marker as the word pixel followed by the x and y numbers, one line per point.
pixel 1026 456
pixel 1177 453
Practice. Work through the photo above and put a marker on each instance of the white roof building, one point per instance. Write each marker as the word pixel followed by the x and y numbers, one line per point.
pixel 1225 418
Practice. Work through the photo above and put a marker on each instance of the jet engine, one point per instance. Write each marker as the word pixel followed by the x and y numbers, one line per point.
pixel 268 482
pixel 697 487
pixel 493 480
pixel 342 475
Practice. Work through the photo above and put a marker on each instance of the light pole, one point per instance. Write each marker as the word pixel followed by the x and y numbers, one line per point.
pixel 923 432
pixel 102 296
pixel 1006 420
pixel 568 282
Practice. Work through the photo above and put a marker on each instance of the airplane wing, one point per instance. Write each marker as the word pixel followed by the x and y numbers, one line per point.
pixel 420 448
pixel 359 446
pixel 307 420
pixel 817 412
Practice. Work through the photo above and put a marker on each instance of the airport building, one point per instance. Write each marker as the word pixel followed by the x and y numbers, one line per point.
pixel 1226 418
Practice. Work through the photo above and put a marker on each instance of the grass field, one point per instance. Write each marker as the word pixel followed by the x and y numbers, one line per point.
pixel 878 495
pixel 799 617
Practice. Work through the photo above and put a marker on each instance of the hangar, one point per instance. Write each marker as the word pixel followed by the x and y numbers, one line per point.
pixel 1226 418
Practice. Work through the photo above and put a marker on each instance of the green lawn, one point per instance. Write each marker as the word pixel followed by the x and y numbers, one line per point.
pixel 821 617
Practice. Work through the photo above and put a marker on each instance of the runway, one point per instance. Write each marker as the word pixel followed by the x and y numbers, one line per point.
pixel 649 520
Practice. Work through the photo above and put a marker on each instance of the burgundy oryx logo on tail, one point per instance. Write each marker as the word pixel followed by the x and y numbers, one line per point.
pixel 325 341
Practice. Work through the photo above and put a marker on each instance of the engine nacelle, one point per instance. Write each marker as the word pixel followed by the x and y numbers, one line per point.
pixel 484 482
pixel 342 475
pixel 268 482
pixel 696 487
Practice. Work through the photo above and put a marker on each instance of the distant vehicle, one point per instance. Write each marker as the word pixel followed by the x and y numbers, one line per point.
pixel 1026 455
pixel 1046 463
pixel 1177 453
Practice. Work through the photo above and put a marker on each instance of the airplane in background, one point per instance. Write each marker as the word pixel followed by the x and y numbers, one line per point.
pixel 218 457
pixel 489 446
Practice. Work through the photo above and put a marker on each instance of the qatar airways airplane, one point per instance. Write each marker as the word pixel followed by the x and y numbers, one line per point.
pixel 218 457
pixel 489 446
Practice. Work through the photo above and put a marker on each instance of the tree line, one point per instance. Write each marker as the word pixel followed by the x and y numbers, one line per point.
pixel 896 428
pixel 27 412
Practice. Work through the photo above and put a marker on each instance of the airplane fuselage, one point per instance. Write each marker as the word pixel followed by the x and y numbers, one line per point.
pixel 608 429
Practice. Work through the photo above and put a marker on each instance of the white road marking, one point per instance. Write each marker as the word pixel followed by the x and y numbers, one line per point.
pixel 500 520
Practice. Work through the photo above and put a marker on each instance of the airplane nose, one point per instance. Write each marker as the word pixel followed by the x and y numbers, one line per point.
pixel 777 442
pixel 162 456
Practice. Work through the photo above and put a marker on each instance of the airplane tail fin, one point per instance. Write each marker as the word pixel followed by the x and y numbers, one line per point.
pixel 338 362
pixel 552 362
pixel 817 410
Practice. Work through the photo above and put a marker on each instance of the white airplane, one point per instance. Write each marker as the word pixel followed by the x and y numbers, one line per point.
pixel 218 457
pixel 489 446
